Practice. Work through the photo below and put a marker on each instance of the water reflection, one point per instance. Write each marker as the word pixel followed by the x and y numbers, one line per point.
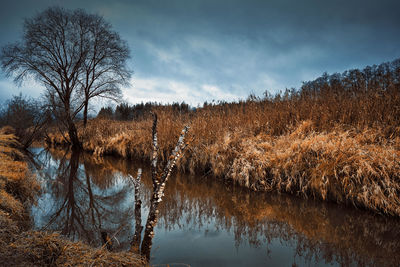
pixel 202 221
pixel 80 199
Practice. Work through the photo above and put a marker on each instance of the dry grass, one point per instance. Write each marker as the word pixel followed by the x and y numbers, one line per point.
pixel 354 166
pixel 342 166
pixel 17 186
pixel 18 247
pixel 338 144
pixel 51 249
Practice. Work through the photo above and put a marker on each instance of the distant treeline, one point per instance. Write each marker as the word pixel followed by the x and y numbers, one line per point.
pixel 125 111
pixel 359 98
pixel 368 97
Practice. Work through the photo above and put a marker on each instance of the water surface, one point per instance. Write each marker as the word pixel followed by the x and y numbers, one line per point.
pixel 204 222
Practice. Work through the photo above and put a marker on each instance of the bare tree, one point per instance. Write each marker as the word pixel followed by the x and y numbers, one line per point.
pixel 75 55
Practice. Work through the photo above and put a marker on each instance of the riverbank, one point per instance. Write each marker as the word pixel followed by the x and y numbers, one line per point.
pixel 19 245
pixel 344 164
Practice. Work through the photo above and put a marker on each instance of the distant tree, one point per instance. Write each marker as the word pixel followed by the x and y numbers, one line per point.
pixel 124 112
pixel 105 113
pixel 75 55
pixel 180 108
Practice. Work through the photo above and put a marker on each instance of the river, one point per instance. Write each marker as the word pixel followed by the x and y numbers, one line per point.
pixel 204 221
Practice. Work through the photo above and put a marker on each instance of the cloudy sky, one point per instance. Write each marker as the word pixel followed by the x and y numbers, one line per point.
pixel 196 51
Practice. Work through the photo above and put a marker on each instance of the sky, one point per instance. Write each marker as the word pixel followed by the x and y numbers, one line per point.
pixel 211 50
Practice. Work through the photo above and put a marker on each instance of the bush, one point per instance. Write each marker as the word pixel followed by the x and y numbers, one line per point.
pixel 27 117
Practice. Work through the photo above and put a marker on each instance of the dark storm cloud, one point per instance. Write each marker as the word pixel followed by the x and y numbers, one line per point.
pixel 204 50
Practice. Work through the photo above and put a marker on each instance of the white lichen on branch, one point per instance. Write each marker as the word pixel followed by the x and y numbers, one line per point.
pixel 159 182
pixel 136 181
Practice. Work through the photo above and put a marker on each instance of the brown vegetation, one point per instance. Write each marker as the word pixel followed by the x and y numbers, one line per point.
pixel 17 185
pixel 27 117
pixel 337 138
pixel 21 246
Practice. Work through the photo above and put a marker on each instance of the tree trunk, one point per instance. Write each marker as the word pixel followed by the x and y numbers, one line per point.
pixel 73 135
pixel 137 237
pixel 71 205
pixel 85 111
pixel 149 230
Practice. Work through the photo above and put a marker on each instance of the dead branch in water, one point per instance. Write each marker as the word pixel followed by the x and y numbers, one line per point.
pixel 159 181
pixel 135 244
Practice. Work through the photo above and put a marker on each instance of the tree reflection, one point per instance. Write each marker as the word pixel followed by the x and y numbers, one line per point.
pixel 83 207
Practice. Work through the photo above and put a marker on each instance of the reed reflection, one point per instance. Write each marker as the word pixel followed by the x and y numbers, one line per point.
pixel 327 232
